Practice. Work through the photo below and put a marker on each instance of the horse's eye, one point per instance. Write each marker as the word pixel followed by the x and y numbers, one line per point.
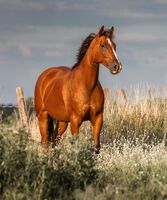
pixel 102 45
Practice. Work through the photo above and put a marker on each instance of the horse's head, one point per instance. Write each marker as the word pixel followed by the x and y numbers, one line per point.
pixel 105 50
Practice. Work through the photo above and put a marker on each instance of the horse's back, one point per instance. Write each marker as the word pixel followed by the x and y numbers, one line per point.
pixel 50 73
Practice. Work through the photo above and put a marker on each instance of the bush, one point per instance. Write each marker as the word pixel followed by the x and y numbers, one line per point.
pixel 27 174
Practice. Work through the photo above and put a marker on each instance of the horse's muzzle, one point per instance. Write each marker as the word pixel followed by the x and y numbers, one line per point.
pixel 115 67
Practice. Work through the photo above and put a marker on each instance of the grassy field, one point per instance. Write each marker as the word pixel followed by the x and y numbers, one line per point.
pixel 132 163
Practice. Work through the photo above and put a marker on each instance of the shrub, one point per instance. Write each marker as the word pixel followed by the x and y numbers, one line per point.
pixel 26 173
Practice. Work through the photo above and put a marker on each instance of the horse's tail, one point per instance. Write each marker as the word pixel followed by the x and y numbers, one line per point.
pixel 50 128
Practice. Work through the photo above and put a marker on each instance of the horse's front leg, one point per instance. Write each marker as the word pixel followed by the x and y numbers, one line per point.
pixel 75 124
pixel 59 130
pixel 97 125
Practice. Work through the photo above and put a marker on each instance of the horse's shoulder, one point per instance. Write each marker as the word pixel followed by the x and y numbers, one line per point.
pixel 98 91
pixel 99 88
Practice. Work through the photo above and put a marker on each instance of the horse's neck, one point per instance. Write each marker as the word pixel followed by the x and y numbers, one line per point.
pixel 88 73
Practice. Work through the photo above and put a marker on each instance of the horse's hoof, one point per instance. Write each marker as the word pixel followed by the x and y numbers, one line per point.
pixel 97 149
pixel 45 145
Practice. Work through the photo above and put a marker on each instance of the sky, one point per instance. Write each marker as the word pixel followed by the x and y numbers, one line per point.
pixel 37 34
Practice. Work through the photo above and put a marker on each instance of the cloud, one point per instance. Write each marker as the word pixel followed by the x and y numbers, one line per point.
pixel 39 33
pixel 160 2
pixel 25 51
pixel 48 41
pixel 43 5
pixel 1 86
pixel 20 5
pixel 144 58
pixel 128 9
pixel 113 8
pixel 54 53
pixel 143 37
pixel 137 37
pixel 142 34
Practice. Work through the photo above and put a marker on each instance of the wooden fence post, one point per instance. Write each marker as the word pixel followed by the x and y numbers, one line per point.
pixel 122 94
pixel 22 107
pixel 106 94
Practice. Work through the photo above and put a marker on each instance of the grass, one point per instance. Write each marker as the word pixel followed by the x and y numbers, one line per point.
pixel 132 163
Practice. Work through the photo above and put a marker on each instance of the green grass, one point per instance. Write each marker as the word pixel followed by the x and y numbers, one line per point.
pixel 132 163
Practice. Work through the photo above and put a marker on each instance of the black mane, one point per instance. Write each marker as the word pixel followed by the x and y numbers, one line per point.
pixel 85 45
pixel 83 48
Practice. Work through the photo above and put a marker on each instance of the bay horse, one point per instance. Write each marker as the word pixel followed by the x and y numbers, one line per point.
pixel 75 94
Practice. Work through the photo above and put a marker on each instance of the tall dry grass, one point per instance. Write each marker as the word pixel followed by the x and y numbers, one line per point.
pixel 138 113
pixel 132 163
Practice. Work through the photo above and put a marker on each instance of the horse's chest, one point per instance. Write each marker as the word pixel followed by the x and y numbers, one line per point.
pixel 85 110
pixel 83 104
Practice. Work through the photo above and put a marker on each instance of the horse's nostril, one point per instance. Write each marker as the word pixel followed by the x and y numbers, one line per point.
pixel 115 67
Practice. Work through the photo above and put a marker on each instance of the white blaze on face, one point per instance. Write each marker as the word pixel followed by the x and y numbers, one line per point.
pixel 110 43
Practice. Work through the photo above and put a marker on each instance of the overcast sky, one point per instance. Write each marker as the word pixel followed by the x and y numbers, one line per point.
pixel 36 34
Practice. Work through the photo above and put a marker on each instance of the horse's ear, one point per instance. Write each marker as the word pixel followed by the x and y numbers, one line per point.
pixel 101 31
pixel 111 32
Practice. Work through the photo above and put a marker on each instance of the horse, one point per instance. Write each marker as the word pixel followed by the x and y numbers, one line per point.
pixel 73 95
